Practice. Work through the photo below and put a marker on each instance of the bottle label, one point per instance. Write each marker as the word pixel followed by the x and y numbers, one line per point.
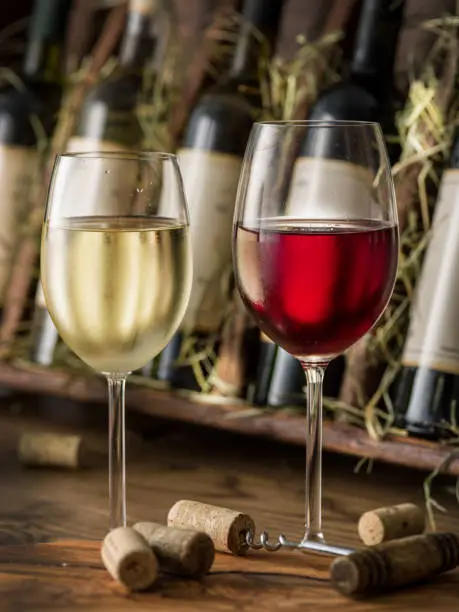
pixel 19 173
pixel 324 188
pixel 84 144
pixel 433 335
pixel 210 181
pixel 40 301
pixel 143 6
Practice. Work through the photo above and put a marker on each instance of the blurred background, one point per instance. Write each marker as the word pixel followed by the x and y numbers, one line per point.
pixel 191 76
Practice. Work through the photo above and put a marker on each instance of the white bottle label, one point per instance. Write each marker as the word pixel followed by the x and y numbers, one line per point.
pixel 210 182
pixel 323 188
pixel 433 335
pixel 84 144
pixel 143 6
pixel 19 167
pixel 40 300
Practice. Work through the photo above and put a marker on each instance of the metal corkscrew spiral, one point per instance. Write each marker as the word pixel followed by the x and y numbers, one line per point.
pixel 282 542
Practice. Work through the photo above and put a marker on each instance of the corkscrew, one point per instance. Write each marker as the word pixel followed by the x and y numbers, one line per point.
pixel 282 542
pixel 235 532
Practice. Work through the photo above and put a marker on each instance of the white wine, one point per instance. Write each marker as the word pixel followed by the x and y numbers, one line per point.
pixel 116 287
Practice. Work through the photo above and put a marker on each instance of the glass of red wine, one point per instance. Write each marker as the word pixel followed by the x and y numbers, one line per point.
pixel 315 249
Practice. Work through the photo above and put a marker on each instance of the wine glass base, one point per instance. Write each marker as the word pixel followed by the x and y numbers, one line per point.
pixel 313 536
pixel 317 545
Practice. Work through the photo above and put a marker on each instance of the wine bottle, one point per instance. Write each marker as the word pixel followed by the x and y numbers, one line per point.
pixel 258 389
pixel 28 109
pixel 287 383
pixel 367 92
pixel 108 119
pixel 427 397
pixel 107 122
pixel 281 381
pixel 364 94
pixel 211 158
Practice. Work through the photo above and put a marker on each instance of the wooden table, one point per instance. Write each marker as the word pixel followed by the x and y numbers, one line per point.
pixel 51 522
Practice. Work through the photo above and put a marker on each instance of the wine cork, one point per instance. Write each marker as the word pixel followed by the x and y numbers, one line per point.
pixel 184 552
pixel 129 559
pixel 227 528
pixel 390 523
pixel 394 564
pixel 52 449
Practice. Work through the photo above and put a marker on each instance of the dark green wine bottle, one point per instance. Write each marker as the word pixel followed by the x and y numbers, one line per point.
pixel 29 104
pixel 211 158
pixel 108 122
pixel 365 94
pixel 427 398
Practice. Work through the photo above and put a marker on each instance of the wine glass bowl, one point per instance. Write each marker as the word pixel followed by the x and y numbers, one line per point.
pixel 315 250
pixel 116 270
pixel 324 284
pixel 121 326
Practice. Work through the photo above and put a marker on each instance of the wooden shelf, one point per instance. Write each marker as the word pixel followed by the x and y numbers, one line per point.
pixel 236 416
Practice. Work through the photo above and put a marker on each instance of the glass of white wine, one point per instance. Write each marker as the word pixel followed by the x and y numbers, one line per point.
pixel 116 271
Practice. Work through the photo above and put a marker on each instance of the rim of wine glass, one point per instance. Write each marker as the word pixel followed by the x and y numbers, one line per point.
pixel 318 122
pixel 142 155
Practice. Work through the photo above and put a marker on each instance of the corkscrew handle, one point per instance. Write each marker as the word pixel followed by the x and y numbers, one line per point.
pixel 395 563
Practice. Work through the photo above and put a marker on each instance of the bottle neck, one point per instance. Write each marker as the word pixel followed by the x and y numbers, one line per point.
pixel 374 52
pixel 139 42
pixel 43 56
pixel 260 25
pixel 454 156
pixel 43 59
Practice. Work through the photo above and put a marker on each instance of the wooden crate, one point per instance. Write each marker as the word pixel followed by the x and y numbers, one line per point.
pixel 236 416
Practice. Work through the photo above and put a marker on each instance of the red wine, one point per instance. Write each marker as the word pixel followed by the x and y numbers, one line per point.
pixel 316 287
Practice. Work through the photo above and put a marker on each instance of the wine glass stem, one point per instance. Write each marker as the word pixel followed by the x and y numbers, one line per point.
pixel 314 384
pixel 116 450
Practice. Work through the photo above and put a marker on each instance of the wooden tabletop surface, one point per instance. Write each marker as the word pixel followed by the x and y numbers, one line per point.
pixel 52 521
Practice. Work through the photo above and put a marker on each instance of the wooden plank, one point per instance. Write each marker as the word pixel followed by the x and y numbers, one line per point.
pixel 67 564
pixel 33 575
pixel 264 479
pixel 203 410
pixel 178 461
